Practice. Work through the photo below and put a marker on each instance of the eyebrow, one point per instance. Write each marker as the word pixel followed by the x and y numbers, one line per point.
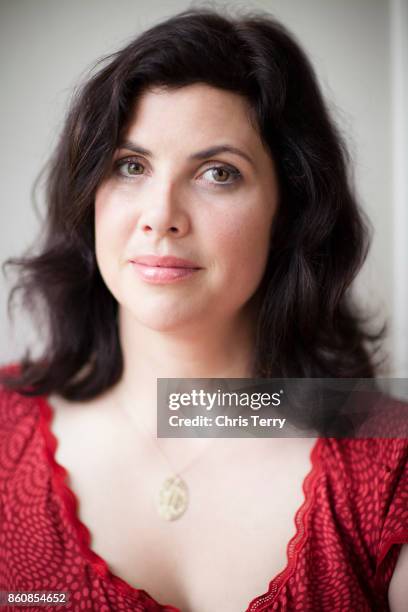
pixel 210 152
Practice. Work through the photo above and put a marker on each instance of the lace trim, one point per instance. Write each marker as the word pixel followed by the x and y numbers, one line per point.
pixel 71 504
pixel 297 542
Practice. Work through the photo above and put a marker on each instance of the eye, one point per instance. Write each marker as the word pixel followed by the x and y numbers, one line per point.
pixel 222 175
pixel 129 167
pixel 219 176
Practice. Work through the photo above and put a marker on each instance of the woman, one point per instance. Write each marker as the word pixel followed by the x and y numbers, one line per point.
pixel 200 225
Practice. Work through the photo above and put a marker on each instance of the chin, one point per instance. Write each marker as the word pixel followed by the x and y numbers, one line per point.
pixel 164 319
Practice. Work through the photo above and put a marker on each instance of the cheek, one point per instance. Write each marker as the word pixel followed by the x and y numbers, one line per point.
pixel 243 248
pixel 247 232
pixel 112 222
pixel 111 229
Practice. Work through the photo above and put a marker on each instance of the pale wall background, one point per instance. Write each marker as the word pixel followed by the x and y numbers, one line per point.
pixel 358 47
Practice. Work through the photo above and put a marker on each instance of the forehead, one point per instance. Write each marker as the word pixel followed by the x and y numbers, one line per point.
pixel 198 112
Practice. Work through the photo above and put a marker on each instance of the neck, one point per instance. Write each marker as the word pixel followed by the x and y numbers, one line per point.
pixel 222 349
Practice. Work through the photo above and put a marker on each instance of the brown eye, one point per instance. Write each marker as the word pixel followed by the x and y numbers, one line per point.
pixel 133 167
pixel 220 174
pixel 129 167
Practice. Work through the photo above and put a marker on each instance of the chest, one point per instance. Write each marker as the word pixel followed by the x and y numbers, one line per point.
pixel 227 546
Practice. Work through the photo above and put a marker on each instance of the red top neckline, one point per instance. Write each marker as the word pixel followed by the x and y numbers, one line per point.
pixel 71 503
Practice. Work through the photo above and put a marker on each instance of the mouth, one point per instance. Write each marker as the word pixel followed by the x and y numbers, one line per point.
pixel 163 270
pixel 166 261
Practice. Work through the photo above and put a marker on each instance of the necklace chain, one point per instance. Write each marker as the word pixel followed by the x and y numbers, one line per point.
pixel 173 495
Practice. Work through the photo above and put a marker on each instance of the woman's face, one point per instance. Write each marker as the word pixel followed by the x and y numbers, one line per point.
pixel 191 179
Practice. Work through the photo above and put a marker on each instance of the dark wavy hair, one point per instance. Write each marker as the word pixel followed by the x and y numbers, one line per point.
pixel 307 323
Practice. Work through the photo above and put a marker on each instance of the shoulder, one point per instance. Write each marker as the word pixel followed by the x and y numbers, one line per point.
pixel 19 418
pixel 14 406
pixel 380 441
pixel 370 477
pixel 373 474
pixel 366 481
pixel 361 458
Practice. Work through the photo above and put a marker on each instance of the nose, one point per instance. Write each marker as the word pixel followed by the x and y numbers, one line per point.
pixel 162 212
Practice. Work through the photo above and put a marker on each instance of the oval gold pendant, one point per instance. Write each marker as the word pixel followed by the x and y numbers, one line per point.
pixel 173 498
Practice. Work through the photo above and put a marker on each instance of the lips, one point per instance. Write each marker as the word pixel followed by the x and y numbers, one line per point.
pixel 165 269
pixel 166 261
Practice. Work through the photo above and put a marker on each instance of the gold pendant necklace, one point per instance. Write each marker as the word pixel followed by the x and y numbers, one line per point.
pixel 173 496
pixel 172 500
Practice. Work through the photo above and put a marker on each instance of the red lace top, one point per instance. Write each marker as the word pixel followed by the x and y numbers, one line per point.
pixel 349 529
